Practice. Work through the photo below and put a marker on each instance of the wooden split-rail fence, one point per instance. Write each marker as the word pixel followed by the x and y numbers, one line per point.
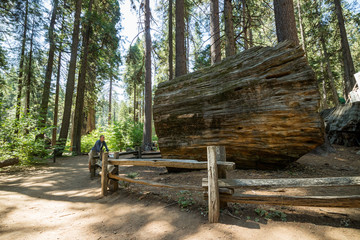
pixel 219 190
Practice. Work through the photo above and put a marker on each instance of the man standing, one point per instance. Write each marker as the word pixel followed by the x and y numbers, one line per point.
pixel 95 150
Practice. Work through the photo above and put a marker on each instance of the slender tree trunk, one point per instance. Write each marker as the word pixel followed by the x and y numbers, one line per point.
pixel 71 80
pixel 329 71
pixel 323 86
pixel 285 21
pixel 325 59
pixel 349 70
pixel 301 27
pixel 21 66
pixel 187 42
pixel 49 68
pixel 110 98
pixel 135 102
pixel 170 40
pixel 57 90
pixel 29 74
pixel 251 40
pixel 246 44
pixel 215 32
pixel 80 92
pixel 229 29
pixel 180 57
pixel 148 92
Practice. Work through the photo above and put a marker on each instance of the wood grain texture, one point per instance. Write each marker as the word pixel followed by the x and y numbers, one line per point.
pixel 310 201
pixel 286 182
pixel 260 104
pixel 155 184
pixel 104 174
pixel 175 163
pixel 213 189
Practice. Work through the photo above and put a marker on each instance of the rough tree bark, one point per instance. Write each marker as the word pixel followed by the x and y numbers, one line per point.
pixel 148 91
pixel 49 68
pixel 70 81
pixel 261 105
pixel 80 93
pixel 229 29
pixel 348 63
pixel 285 21
pixel 215 32
pixel 21 65
pixel 170 40
pixel 180 54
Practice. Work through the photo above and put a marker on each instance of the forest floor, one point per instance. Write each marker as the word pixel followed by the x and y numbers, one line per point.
pixel 59 201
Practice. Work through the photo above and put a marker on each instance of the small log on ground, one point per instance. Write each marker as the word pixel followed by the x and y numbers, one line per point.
pixel 260 104
pixel 343 125
pixel 9 162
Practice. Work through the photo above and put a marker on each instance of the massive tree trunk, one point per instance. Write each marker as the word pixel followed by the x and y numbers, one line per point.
pixel 180 55
pixel 80 93
pixel 49 68
pixel 229 29
pixel 285 21
pixel 215 32
pixel 170 40
pixel 70 81
pixel 261 105
pixel 21 65
pixel 348 63
pixel 148 91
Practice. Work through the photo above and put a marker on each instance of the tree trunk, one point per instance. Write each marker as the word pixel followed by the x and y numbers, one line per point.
pixel 56 105
pixel 348 63
pixel 148 91
pixel 215 32
pixel 246 44
pixel 170 40
pixel 90 124
pixel 229 29
pixel 29 74
pixel 301 27
pixel 80 93
pixel 180 57
pixel 261 105
pixel 326 58
pixel 110 98
pixel 135 102
pixel 285 21
pixel 71 80
pixel 49 69
pixel 21 66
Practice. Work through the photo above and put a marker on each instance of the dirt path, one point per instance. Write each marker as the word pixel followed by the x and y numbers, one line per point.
pixel 60 202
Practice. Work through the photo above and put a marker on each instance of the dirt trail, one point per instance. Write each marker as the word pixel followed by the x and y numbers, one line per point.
pixel 60 202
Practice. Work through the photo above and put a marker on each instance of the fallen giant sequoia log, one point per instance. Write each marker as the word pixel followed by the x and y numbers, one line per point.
pixel 261 104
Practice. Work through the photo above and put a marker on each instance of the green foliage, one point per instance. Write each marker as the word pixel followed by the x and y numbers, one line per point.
pixel 132 175
pixel 271 214
pixel 185 199
pixel 23 144
pixel 118 137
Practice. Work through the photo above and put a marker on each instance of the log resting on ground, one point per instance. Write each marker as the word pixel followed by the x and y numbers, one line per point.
pixel 260 104
pixel 9 162
pixel 342 124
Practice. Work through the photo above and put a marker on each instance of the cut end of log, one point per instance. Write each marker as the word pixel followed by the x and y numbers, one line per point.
pixel 261 104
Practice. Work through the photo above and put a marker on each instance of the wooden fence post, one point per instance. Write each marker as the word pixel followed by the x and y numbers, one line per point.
pixel 104 173
pixel 221 156
pixel 213 189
